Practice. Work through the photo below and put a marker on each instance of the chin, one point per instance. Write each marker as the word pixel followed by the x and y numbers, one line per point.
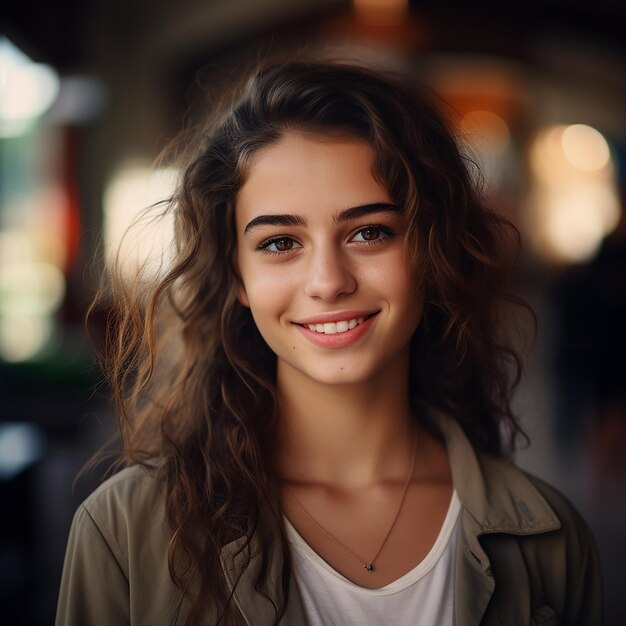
pixel 338 374
pixel 341 378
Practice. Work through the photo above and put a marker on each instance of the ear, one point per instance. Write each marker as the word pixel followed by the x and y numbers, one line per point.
pixel 242 295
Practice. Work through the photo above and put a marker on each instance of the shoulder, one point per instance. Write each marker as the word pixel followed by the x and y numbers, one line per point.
pixel 503 498
pixel 542 541
pixel 136 488
pixel 573 542
pixel 571 520
pixel 127 511
pixel 531 535
pixel 533 497
pixel 116 567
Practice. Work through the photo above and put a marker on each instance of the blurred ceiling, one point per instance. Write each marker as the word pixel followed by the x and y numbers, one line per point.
pixel 69 34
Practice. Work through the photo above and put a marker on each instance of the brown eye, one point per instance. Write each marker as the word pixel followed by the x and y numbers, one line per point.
pixel 278 245
pixel 284 244
pixel 371 233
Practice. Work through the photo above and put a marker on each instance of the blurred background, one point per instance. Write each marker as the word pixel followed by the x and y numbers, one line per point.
pixel 90 93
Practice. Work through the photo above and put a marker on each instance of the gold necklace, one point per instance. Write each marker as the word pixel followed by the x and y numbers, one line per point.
pixel 368 565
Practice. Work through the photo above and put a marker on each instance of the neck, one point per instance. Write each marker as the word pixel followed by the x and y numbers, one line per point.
pixel 348 436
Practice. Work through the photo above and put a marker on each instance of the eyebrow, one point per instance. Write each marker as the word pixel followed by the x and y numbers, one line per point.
pixel 283 219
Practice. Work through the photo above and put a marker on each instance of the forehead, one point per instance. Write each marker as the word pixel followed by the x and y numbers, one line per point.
pixel 310 173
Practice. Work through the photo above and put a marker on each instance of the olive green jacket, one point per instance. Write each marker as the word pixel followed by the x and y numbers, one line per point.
pixel 524 555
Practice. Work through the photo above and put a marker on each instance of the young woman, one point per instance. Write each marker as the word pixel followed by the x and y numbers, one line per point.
pixel 315 399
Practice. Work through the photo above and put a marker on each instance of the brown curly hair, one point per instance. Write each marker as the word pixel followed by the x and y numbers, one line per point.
pixel 193 379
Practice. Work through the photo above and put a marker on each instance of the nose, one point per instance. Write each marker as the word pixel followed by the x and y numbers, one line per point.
pixel 328 275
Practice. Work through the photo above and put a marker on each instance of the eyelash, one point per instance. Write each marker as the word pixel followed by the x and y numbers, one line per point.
pixel 385 232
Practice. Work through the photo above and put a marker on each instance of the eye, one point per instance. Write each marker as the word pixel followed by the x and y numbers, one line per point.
pixel 277 245
pixel 372 234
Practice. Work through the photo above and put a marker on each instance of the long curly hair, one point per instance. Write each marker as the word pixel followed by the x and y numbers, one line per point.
pixel 194 382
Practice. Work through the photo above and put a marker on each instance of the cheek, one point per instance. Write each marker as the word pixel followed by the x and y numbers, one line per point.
pixel 268 293
pixel 394 277
pixel 402 290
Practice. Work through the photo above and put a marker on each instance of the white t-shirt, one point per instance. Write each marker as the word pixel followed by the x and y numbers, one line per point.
pixel 422 597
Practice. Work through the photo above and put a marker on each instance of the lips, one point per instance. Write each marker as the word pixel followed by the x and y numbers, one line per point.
pixel 333 328
pixel 337 332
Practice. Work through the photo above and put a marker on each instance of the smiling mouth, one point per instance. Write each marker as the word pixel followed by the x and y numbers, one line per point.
pixel 336 328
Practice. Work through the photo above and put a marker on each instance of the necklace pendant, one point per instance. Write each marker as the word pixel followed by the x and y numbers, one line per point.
pixel 369 567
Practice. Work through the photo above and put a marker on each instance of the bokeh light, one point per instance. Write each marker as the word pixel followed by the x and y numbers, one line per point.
pixel 574 201
pixel 33 210
pixel 27 89
pixel 21 445
pixel 585 148
pixel 137 232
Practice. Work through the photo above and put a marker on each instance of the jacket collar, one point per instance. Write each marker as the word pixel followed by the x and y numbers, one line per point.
pixel 496 497
pixel 259 605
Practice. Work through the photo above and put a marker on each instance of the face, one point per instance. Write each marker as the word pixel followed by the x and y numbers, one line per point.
pixel 321 259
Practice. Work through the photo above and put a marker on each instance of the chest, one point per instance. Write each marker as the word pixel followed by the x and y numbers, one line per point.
pixel 381 530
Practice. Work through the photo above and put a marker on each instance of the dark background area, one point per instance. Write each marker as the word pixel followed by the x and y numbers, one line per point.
pixel 133 73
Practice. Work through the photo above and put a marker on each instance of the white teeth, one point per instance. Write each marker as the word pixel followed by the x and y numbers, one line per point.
pixel 332 328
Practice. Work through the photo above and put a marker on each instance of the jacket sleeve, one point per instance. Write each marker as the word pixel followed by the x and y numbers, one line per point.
pixel 94 586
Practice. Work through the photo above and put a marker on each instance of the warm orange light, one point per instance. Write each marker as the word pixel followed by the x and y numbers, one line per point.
pixel 381 11
pixel 480 127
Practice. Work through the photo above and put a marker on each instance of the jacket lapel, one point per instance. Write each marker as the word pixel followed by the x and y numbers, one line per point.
pixel 259 607
pixel 496 497
pixel 474 583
